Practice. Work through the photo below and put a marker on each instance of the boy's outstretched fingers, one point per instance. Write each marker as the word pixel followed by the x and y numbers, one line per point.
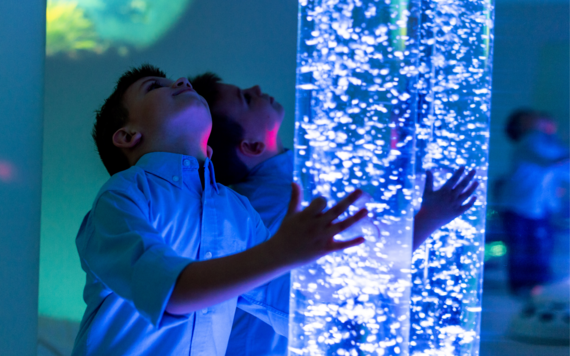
pixel 450 184
pixel 348 222
pixel 316 207
pixel 468 192
pixel 341 245
pixel 295 202
pixel 468 205
pixel 342 205
pixel 429 182
pixel 460 187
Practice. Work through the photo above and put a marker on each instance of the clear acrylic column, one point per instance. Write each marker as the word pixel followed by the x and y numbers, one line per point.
pixel 453 130
pixel 355 119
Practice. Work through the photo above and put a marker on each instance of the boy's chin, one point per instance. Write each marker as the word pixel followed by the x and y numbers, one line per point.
pixel 198 111
pixel 192 100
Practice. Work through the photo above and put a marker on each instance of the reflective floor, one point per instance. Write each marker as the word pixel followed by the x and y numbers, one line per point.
pixel 499 308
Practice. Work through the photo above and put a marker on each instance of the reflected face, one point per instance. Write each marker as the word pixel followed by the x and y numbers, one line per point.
pixel 546 125
pixel 539 123
pixel 166 110
pixel 259 114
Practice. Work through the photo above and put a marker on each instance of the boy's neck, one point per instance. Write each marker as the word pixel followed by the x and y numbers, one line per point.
pixel 195 151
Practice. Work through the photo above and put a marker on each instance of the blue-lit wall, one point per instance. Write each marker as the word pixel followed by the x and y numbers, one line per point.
pixel 530 68
pixel 21 74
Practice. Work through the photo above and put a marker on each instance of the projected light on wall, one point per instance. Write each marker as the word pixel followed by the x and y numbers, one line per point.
pixel 73 26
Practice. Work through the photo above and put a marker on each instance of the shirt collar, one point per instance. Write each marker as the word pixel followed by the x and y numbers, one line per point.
pixel 209 172
pixel 169 166
pixel 282 164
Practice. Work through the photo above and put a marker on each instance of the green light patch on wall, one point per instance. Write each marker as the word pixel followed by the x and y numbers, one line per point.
pixel 97 25
pixel 495 249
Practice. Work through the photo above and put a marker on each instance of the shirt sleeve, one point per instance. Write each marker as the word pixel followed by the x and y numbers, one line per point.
pixel 125 253
pixel 270 303
pixel 261 233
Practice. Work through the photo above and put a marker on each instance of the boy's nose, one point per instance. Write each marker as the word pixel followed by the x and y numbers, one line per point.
pixel 256 89
pixel 182 82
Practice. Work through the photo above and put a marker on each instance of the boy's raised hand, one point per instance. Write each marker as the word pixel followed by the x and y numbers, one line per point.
pixel 303 237
pixel 441 206
pixel 306 235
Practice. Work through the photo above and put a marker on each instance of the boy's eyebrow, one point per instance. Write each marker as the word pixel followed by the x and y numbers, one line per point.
pixel 146 81
pixel 156 79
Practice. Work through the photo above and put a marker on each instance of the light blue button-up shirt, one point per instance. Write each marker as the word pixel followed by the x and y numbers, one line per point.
pixel 268 188
pixel 146 225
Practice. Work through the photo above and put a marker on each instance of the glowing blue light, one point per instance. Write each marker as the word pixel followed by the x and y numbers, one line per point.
pixel 363 69
pixel 453 130
pixel 356 70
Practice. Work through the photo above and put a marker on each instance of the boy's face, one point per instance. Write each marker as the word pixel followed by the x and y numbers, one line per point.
pixel 539 123
pixel 258 113
pixel 167 111
pixel 546 125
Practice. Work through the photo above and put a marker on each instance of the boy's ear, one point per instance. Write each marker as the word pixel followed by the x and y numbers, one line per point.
pixel 124 139
pixel 251 149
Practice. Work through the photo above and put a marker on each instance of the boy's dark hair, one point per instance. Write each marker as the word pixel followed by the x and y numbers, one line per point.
pixel 226 133
pixel 515 128
pixel 113 115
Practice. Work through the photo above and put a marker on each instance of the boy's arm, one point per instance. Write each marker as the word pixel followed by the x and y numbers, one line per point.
pixel 303 237
pixel 441 206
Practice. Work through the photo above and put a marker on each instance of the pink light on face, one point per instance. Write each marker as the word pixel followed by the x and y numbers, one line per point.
pixel 204 144
pixel 271 139
pixel 546 125
pixel 7 171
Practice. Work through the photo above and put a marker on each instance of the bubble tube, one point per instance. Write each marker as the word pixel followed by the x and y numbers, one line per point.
pixel 374 78
pixel 355 121
pixel 454 99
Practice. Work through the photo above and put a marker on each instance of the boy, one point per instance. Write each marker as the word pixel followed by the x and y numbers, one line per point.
pixel 168 251
pixel 244 137
pixel 528 197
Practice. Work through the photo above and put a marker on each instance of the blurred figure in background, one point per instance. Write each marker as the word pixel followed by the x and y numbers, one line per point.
pixel 528 197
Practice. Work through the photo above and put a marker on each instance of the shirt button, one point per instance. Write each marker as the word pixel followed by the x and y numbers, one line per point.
pixel 175 178
pixel 186 162
pixel 205 311
pixel 208 255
